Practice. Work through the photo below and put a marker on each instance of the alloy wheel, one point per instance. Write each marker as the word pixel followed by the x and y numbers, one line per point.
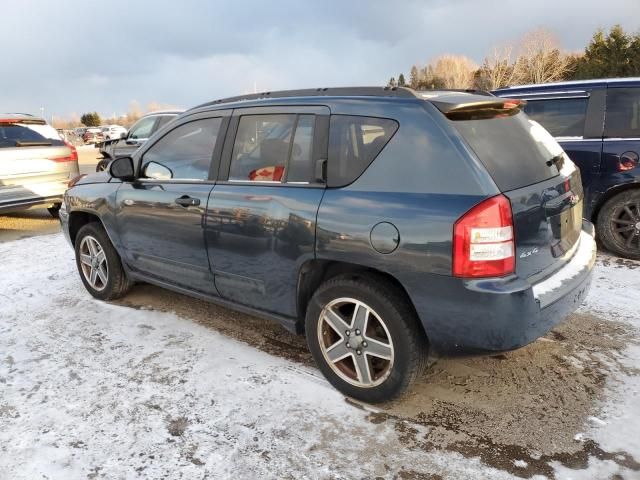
pixel 93 262
pixel 355 342
pixel 626 225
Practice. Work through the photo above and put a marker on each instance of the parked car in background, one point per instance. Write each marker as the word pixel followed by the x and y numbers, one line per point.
pixel 35 164
pixel 92 135
pixel 112 132
pixel 382 222
pixel 137 135
pixel 597 122
pixel 70 136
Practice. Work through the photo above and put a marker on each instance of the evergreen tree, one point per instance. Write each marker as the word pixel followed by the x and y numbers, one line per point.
pixel 91 119
pixel 616 54
pixel 401 81
pixel 392 82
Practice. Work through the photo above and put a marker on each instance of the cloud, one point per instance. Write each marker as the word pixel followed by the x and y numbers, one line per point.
pixel 81 56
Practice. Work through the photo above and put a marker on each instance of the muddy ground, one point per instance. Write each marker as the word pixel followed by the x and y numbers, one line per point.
pixel 523 406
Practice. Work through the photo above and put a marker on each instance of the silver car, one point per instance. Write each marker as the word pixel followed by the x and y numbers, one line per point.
pixel 35 164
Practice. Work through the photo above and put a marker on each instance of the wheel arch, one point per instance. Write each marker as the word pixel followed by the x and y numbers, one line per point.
pixel 315 272
pixel 608 195
pixel 77 220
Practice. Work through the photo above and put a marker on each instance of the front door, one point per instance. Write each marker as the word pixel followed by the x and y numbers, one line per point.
pixel 161 215
pixel 261 216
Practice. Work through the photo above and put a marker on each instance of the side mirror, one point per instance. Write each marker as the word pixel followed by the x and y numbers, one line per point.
pixel 122 168
pixel 123 135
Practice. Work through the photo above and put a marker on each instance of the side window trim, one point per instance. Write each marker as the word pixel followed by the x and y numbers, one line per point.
pixel 225 116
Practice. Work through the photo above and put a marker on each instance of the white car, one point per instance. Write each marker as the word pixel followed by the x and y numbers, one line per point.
pixel 112 132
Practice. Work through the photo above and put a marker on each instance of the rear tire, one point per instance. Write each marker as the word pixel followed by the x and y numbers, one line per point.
pixel 619 224
pixel 373 360
pixel 99 264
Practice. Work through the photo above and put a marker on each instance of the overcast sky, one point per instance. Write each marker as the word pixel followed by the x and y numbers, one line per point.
pixel 77 56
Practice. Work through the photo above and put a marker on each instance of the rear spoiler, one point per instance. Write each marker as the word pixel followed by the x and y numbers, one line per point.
pixel 470 107
pixel 23 121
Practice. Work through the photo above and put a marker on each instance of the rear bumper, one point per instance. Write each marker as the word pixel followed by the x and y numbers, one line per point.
pixel 467 317
pixel 19 197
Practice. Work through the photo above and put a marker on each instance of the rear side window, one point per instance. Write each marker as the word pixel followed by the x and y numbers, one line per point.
pixel 16 135
pixel 354 142
pixel 563 117
pixel 273 148
pixel 623 113
pixel 515 150
pixel 184 153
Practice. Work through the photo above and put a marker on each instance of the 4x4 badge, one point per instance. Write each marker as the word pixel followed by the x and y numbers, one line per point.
pixel 529 253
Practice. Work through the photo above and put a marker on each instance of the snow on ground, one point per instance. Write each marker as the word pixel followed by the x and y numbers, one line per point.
pixel 93 390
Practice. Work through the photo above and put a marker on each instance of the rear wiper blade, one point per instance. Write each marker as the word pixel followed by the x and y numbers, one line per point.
pixel 38 143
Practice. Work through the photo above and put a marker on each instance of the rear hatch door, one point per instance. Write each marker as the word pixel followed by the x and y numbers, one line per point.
pixel 31 157
pixel 536 175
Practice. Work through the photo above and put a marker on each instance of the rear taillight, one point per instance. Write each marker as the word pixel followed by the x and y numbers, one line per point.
pixel 483 243
pixel 69 158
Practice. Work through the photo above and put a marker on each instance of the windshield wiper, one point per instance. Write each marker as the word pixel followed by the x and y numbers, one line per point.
pixel 35 143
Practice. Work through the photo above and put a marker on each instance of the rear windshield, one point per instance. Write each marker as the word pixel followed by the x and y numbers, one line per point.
pixel 515 150
pixel 12 134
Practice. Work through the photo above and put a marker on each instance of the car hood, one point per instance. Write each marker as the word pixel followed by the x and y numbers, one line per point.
pixel 98 177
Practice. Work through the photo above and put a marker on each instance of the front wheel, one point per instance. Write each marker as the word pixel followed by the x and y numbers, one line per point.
pixel 619 224
pixel 99 264
pixel 365 338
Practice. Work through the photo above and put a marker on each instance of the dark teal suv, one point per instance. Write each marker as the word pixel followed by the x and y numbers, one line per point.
pixel 597 122
pixel 382 223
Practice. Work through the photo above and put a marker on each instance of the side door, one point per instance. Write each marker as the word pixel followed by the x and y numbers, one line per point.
pixel 161 215
pixel 621 146
pixel 261 215
pixel 575 119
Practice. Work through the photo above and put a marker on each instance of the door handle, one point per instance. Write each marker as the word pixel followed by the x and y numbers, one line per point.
pixel 187 201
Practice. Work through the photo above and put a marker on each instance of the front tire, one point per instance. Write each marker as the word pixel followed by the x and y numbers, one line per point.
pixel 619 224
pixel 99 264
pixel 365 337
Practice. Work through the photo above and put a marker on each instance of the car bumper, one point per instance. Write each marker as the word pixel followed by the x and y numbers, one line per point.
pixel 19 197
pixel 487 316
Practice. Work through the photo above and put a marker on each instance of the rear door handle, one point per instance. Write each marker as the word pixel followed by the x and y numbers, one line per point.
pixel 187 201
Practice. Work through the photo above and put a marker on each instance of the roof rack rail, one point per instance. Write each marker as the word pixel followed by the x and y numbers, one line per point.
pixel 475 91
pixel 400 92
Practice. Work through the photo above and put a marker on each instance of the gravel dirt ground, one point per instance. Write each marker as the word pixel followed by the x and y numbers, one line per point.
pixel 187 389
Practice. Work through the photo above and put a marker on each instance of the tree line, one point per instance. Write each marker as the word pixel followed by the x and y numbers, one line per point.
pixel 536 58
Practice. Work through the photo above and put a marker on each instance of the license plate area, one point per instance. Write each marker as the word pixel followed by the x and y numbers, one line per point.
pixel 565 229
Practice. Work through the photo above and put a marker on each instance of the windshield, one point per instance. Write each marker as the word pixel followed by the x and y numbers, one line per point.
pixel 515 150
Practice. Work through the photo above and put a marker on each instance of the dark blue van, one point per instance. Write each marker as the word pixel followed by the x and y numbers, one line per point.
pixel 597 122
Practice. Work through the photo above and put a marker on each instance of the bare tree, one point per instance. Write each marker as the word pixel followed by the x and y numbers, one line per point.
pixel 456 71
pixel 540 59
pixel 498 69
